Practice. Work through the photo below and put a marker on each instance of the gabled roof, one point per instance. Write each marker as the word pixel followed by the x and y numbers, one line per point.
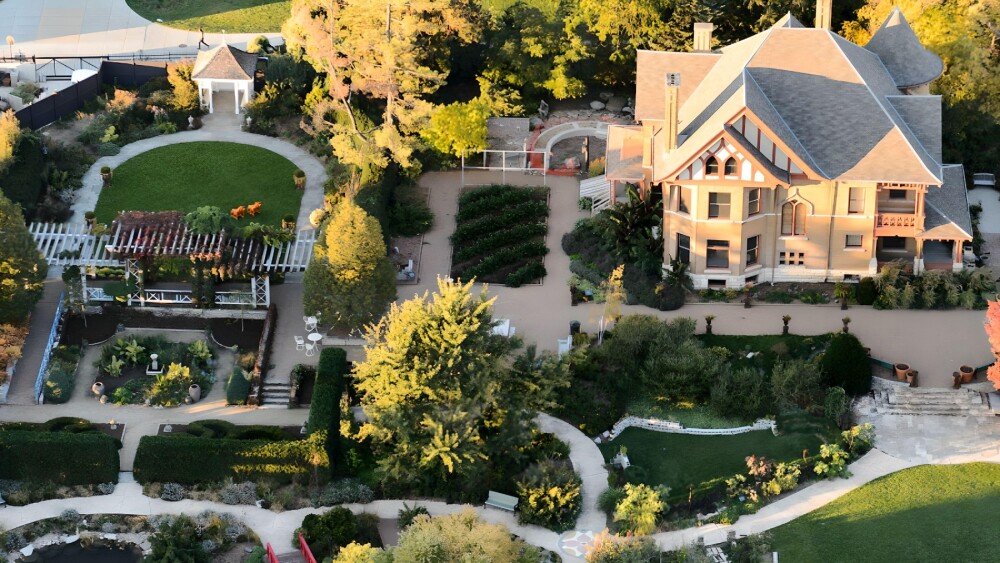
pixel 947 207
pixel 225 62
pixel 824 98
pixel 761 171
pixel 624 153
pixel 651 70
pixel 909 63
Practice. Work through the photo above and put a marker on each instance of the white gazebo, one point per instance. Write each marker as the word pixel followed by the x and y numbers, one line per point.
pixel 218 68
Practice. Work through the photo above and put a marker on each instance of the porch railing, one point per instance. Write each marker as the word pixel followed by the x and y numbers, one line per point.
pixel 896 220
pixel 52 342
pixel 178 297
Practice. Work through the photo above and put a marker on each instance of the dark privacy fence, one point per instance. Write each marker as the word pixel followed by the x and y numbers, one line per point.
pixel 67 101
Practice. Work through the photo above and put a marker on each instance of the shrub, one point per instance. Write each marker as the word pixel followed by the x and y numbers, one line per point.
pixel 177 540
pixel 779 297
pixel 238 387
pixel 742 393
pixel 813 298
pixel 833 462
pixel 64 458
pixel 173 492
pixel 324 410
pixel 408 513
pixel 106 488
pixel 669 297
pixel 409 219
pixel 328 532
pixel 845 364
pixel 344 491
pixel 108 149
pixel 550 496
pixel 640 509
pixel 866 293
pixel 61 375
pixel 240 493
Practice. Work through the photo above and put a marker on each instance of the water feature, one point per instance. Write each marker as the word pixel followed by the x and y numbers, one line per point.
pixel 77 553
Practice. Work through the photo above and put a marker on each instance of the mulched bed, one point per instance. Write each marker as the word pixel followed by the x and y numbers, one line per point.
pixel 128 374
pixel 503 232
pixel 117 433
pixel 98 328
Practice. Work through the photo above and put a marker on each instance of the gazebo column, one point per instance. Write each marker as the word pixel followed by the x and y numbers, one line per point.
pixel 132 270
pixel 236 95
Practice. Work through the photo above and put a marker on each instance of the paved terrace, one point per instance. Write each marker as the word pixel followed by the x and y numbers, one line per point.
pixel 935 343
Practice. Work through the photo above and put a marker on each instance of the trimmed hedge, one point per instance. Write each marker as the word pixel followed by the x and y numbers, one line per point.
pixel 532 271
pixel 503 220
pixel 324 410
pixel 503 258
pixel 63 458
pixel 189 460
pixel 22 183
pixel 238 387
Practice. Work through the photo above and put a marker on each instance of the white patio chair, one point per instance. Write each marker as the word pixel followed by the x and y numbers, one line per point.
pixel 310 349
pixel 310 323
pixel 300 343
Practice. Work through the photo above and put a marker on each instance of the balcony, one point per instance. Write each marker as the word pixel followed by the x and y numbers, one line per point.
pixel 895 225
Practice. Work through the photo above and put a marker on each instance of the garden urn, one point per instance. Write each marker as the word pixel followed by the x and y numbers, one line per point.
pixel 300 179
pixel 194 391
pixel 106 175
pixel 901 370
pixel 98 388
pixel 968 372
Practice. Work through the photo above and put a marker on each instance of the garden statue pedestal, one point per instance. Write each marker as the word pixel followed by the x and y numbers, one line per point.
pixel 154 368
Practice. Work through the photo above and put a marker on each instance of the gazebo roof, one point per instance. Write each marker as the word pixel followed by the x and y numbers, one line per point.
pixel 225 62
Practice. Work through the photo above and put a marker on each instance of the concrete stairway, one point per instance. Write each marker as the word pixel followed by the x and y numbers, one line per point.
pixel 276 394
pixel 917 401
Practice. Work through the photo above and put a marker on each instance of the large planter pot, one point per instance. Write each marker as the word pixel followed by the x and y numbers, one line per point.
pixel 968 372
pixel 194 391
pixel 901 370
pixel 97 388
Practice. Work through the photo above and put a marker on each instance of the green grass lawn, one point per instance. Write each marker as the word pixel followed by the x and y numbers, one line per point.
pixel 185 176
pixel 231 16
pixel 679 460
pixel 927 513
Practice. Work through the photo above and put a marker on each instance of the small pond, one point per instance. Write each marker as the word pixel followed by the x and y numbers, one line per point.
pixel 77 553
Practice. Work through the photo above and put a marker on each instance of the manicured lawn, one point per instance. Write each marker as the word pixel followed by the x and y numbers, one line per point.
pixel 185 176
pixel 679 460
pixel 232 16
pixel 927 513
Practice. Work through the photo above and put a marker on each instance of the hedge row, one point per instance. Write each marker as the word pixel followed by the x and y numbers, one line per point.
pixel 532 271
pixel 64 458
pixel 495 202
pixel 500 239
pixel 189 460
pixel 527 211
pixel 504 257
pixel 485 192
pixel 324 410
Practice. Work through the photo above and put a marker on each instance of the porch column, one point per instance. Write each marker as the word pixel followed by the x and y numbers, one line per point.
pixel 959 259
pixel 918 258
pixel 201 96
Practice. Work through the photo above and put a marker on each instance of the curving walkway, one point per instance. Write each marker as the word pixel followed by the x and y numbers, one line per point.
pixel 87 195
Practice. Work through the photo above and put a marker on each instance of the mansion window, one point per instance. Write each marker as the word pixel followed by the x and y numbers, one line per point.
pixel 856 202
pixel 753 202
pixel 683 249
pixel 853 241
pixel 683 199
pixel 717 254
pixel 753 250
pixel 712 166
pixel 731 167
pixel 718 206
pixel 793 219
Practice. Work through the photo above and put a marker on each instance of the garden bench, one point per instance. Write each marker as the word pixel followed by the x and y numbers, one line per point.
pixel 501 501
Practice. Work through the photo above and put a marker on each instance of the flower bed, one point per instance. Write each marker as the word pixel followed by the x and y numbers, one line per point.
pixel 500 237
pixel 122 370
pixel 61 374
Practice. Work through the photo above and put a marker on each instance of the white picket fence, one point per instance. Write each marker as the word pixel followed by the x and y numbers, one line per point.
pixel 658 425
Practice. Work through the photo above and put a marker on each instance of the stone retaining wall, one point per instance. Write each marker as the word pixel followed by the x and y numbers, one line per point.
pixel 658 425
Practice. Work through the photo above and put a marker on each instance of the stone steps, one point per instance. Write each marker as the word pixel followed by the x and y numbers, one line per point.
pixel 916 401
pixel 276 394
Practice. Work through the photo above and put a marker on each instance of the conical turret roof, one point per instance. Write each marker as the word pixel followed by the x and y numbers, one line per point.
pixel 908 62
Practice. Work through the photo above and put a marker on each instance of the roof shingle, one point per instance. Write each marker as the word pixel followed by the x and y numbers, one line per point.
pixel 225 62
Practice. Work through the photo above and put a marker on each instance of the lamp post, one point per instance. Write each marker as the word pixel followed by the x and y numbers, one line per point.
pixel 10 45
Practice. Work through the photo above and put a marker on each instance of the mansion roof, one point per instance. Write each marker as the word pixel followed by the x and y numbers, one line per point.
pixel 947 209
pixel 833 108
pixel 909 63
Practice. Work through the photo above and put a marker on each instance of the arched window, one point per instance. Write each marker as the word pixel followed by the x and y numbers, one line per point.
pixel 793 219
pixel 712 166
pixel 731 167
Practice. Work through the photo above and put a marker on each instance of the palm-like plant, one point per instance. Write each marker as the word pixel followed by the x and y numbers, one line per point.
pixel 628 229
pixel 678 275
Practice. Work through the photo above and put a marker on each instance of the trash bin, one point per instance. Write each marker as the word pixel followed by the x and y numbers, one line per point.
pixel 574 327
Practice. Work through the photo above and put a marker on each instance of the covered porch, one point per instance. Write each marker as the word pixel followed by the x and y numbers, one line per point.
pixel 919 254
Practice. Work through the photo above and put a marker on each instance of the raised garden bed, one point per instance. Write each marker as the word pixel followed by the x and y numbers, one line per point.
pixel 500 237
pixel 122 370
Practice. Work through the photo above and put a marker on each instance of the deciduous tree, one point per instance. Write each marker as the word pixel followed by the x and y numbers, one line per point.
pixel 22 268
pixel 10 132
pixel 185 96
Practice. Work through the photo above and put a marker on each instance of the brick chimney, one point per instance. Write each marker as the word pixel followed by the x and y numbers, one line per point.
pixel 703 37
pixel 824 14
pixel 672 90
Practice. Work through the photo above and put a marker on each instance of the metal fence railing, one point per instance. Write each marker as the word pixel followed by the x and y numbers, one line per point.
pixel 52 343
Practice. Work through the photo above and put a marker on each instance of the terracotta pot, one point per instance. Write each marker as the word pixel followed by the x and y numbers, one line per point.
pixel 968 372
pixel 901 370
pixel 911 376
pixel 194 391
pixel 300 182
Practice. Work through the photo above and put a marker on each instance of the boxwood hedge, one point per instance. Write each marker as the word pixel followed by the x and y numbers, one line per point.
pixel 64 458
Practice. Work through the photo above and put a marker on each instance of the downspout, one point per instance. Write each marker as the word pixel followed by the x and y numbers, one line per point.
pixel 777 230
pixel 829 246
